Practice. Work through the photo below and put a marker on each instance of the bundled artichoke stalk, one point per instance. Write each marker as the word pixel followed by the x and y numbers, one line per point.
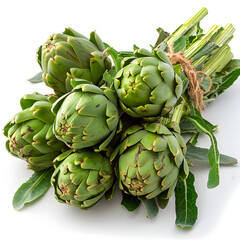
pixel 123 124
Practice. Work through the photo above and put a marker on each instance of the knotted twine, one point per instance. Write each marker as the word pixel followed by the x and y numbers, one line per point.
pixel 192 74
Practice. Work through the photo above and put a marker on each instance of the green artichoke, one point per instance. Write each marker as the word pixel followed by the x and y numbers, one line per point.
pixel 150 160
pixel 82 178
pixel 70 53
pixel 30 134
pixel 147 85
pixel 86 117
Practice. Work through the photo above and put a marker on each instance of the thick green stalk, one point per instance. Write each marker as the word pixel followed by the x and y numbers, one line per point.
pixel 223 38
pixel 199 62
pixel 210 35
pixel 225 35
pixel 218 61
pixel 165 121
pixel 179 111
pixel 188 26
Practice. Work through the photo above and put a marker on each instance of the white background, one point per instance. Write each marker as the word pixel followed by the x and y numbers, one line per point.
pixel 25 25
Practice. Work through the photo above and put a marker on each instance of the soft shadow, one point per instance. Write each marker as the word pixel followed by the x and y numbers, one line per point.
pixel 129 225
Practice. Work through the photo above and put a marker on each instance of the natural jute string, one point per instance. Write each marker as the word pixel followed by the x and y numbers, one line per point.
pixel 195 90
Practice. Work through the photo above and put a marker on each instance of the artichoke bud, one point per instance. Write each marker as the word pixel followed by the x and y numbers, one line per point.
pixel 151 158
pixel 82 178
pixel 29 132
pixel 86 117
pixel 147 85
pixel 67 50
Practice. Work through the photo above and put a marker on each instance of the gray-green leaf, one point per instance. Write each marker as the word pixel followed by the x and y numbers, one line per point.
pixel 35 187
pixel 223 80
pixel 185 202
pixel 206 50
pixel 201 154
pixel 151 207
pixel 162 35
pixel 213 153
pixel 130 202
pixel 180 44
pixel 36 78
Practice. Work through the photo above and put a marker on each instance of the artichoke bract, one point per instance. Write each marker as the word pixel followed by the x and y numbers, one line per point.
pixel 82 178
pixel 70 53
pixel 30 134
pixel 147 85
pixel 151 158
pixel 86 117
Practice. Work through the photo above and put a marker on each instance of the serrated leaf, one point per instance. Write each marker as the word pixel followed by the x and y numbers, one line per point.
pixel 35 187
pixel 130 202
pixel 228 80
pixel 36 78
pixel 162 35
pixel 223 80
pixel 231 66
pixel 206 50
pixel 185 202
pixel 210 126
pixel 187 126
pixel 151 207
pixel 213 153
pixel 180 44
pixel 201 154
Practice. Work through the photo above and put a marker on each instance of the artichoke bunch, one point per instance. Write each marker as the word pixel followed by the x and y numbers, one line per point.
pixel 93 116
pixel 86 120
pixel 106 125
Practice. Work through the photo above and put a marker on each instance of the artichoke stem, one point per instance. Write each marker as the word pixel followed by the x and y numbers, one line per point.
pixel 179 111
pixel 165 121
pixel 189 27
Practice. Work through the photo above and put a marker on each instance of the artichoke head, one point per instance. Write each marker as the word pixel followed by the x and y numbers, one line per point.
pixel 82 178
pixel 147 85
pixel 150 160
pixel 86 117
pixel 70 54
pixel 30 134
